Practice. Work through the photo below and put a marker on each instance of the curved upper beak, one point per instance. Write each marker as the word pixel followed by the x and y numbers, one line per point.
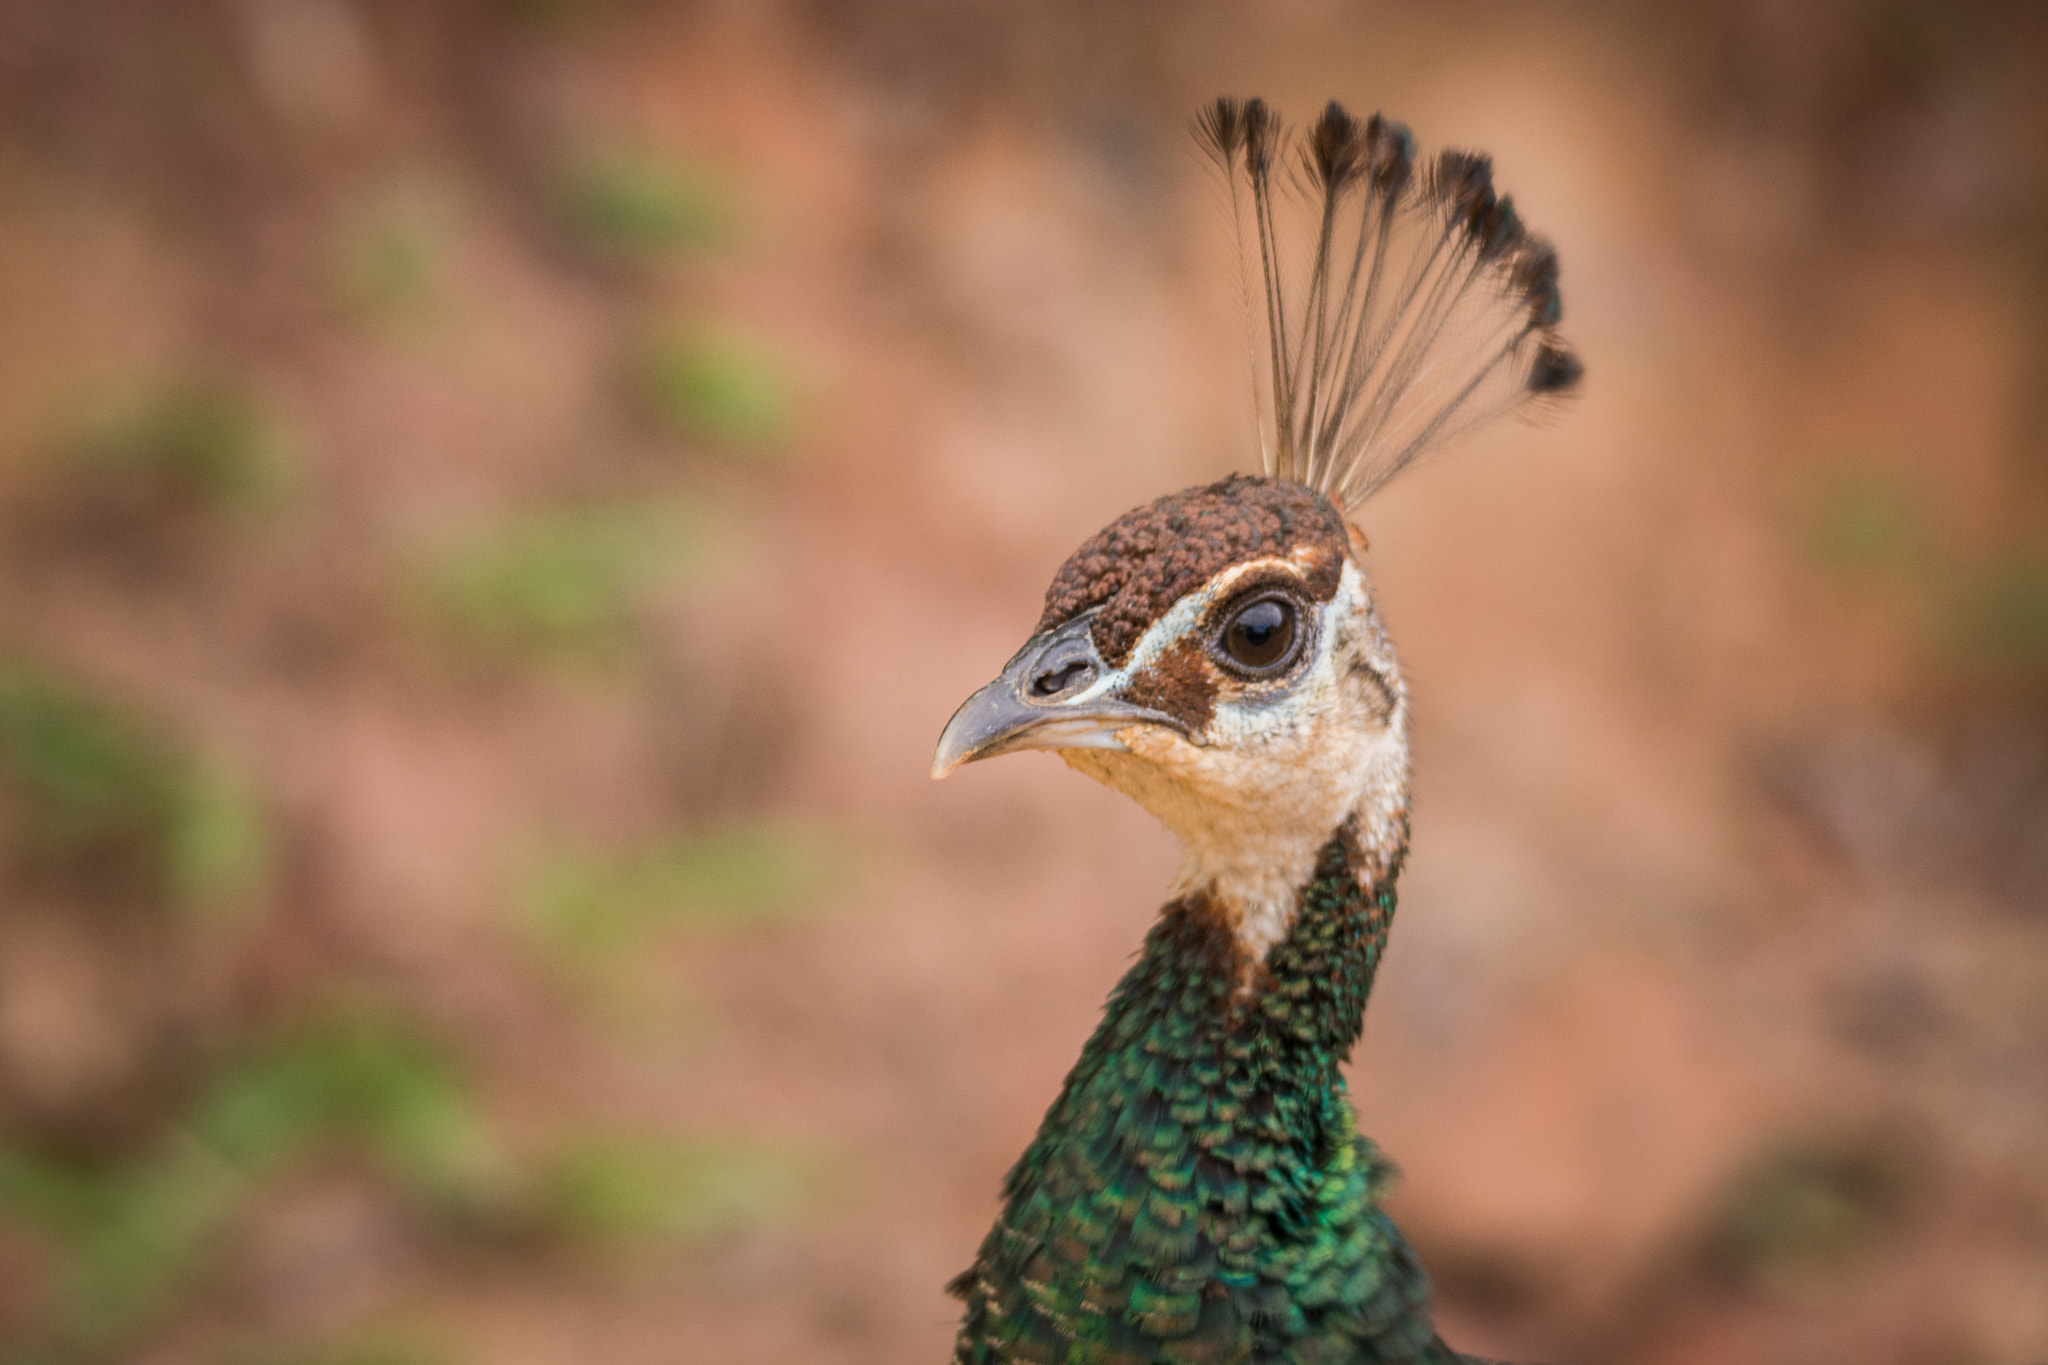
pixel 1055 694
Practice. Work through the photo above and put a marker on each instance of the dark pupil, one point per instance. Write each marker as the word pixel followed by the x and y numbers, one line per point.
pixel 1261 634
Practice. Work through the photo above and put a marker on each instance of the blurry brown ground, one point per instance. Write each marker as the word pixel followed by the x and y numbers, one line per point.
pixel 498 499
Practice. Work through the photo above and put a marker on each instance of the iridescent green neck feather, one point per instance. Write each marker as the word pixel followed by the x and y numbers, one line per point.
pixel 1199 1191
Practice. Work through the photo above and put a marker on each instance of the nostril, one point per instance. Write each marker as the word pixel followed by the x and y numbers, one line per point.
pixel 1052 682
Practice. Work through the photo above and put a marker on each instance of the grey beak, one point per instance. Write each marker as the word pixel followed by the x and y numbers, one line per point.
pixel 1047 697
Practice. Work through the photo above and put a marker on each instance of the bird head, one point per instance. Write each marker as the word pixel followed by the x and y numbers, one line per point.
pixel 1216 656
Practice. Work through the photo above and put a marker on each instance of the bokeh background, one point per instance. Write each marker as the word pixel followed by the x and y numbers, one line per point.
pixel 498 497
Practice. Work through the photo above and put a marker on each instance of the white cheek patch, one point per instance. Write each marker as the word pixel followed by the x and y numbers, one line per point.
pixel 1256 803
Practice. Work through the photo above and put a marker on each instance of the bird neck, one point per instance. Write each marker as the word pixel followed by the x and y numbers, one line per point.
pixel 1284 1018
pixel 1254 1047
pixel 1201 1175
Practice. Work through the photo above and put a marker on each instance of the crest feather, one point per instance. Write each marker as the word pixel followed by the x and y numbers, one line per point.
pixel 1412 305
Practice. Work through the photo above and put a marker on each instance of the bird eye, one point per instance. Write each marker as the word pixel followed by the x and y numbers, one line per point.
pixel 1261 635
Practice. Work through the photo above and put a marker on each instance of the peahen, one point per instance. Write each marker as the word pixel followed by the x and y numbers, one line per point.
pixel 1199 1191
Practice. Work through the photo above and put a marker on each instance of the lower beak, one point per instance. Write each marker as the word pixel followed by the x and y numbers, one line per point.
pixel 1048 697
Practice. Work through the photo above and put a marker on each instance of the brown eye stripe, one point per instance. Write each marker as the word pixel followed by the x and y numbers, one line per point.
pixel 1180 682
pixel 1149 558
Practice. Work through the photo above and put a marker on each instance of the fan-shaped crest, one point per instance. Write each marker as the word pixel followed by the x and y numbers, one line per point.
pixel 1408 305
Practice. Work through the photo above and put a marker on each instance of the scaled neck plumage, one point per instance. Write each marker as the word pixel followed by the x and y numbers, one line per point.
pixel 1200 1178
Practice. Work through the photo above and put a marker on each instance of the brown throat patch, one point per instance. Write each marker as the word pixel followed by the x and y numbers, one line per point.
pixel 1139 565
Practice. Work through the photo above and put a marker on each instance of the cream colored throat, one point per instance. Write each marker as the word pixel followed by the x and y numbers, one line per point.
pixel 1253 847
pixel 1256 870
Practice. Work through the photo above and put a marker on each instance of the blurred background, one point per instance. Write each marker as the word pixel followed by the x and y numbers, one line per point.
pixel 498 497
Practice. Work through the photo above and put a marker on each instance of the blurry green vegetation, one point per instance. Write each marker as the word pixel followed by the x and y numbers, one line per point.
pixel 628 1187
pixel 81 771
pixel 96 790
pixel 564 585
pixel 1864 520
pixel 132 1232
pixel 218 845
pixel 1982 613
pixel 1998 618
pixel 360 1082
pixel 373 1345
pixel 361 1077
pixel 391 256
pixel 1797 1214
pixel 636 203
pixel 585 907
pixel 128 1235
pixel 202 440
pixel 708 384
